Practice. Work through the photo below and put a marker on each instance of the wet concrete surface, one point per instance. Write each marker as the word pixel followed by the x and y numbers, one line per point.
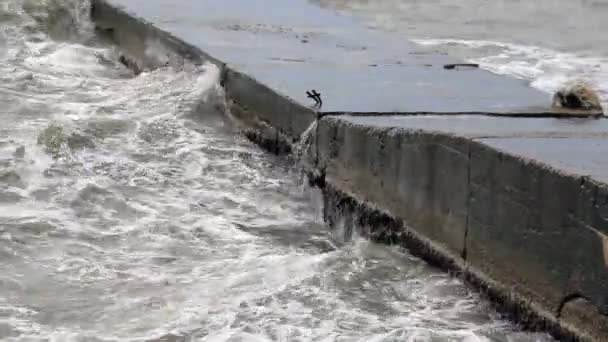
pixel 574 145
pixel 508 197
pixel 478 126
pixel 578 156
pixel 294 46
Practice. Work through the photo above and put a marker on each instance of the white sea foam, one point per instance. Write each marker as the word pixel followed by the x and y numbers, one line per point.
pixel 546 69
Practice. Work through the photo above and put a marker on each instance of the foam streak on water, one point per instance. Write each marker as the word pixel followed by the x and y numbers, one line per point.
pixel 131 209
pixel 546 69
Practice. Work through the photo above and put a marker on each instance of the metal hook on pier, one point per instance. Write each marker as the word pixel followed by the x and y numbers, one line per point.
pixel 315 96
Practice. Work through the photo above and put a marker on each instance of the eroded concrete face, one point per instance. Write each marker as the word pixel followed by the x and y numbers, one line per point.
pixel 294 46
pixel 539 231
pixel 258 100
pixel 575 146
pixel 408 174
pixel 523 201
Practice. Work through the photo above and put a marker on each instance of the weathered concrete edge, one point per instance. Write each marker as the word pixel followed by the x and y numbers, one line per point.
pixel 135 36
pixel 515 114
pixel 507 223
pixel 271 127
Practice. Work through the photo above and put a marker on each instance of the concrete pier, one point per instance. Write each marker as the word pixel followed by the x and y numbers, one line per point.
pixel 475 166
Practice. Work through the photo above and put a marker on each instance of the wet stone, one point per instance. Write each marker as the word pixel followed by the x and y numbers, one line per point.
pixel 52 139
pixel 77 141
pixel 19 152
pixel 11 178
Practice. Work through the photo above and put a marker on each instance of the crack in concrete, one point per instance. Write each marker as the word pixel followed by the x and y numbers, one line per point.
pixel 539 114
pixel 588 136
pixel 469 199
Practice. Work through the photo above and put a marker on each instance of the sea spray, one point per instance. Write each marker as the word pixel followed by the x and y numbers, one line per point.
pixel 302 148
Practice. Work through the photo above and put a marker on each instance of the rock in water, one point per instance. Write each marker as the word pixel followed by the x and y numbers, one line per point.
pixel 19 152
pixel 577 95
pixel 78 141
pixel 11 178
pixel 57 142
pixel 53 140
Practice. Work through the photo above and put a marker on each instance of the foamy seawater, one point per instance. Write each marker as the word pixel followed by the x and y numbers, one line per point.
pixel 132 210
pixel 547 42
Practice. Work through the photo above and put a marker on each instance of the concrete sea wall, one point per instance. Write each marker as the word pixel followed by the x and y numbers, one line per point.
pixel 519 206
pixel 533 236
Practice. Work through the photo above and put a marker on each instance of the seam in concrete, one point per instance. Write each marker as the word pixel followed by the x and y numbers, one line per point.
pixel 469 199
pixel 542 114
pixel 587 136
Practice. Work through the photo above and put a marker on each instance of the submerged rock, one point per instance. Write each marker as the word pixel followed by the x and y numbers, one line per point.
pixel 77 141
pixel 11 178
pixel 130 64
pixel 19 152
pixel 577 95
pixel 53 139
pixel 104 128
pixel 56 141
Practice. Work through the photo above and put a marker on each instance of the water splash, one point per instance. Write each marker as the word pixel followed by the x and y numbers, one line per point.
pixel 302 148
pixel 59 19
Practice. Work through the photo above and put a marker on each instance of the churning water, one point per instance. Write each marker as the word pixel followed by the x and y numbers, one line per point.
pixel 131 209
